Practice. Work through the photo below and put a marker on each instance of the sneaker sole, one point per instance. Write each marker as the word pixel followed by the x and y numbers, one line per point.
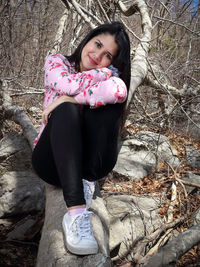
pixel 76 250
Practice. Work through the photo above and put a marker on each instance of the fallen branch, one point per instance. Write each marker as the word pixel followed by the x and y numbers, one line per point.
pixel 139 248
pixel 166 235
pixel 169 254
pixel 188 183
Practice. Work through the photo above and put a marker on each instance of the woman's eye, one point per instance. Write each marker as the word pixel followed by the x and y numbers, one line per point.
pixel 108 56
pixel 98 44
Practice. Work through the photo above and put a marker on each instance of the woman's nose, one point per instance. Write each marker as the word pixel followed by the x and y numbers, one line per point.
pixel 98 57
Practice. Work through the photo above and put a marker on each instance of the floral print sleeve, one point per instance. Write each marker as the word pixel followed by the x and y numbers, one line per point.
pixel 106 92
pixel 60 76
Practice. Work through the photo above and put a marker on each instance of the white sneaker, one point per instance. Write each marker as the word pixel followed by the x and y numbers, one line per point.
pixel 88 188
pixel 78 234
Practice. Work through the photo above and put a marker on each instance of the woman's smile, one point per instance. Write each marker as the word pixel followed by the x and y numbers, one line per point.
pixel 92 61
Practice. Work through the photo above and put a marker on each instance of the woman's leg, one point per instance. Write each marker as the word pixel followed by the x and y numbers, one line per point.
pixel 100 140
pixel 57 158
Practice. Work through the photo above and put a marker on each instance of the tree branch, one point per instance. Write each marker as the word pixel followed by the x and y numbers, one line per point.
pixel 139 63
pixel 170 253
pixel 18 115
pixel 80 12
pixel 128 11
pixel 60 32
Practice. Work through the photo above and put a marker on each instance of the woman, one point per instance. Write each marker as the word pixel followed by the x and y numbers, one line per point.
pixel 83 107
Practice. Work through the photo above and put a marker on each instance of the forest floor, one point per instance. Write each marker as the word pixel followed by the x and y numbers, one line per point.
pixel 23 253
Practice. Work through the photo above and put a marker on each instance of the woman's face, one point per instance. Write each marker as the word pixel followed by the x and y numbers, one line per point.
pixel 98 52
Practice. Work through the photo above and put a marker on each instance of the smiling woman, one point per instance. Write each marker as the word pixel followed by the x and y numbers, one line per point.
pixel 83 105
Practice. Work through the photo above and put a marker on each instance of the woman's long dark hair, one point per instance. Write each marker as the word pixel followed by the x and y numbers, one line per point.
pixel 121 61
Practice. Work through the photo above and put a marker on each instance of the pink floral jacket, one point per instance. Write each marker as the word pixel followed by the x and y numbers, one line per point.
pixel 94 87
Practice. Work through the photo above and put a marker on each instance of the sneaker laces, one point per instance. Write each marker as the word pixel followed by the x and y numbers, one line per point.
pixel 82 225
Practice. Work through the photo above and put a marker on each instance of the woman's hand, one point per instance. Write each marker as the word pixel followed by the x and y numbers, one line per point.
pixel 114 70
pixel 54 104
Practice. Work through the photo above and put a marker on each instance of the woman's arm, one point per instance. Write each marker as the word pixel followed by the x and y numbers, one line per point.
pixel 106 92
pixel 54 104
pixel 58 76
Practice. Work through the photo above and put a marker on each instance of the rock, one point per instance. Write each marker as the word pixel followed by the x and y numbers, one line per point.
pixel 130 218
pixel 15 153
pixel 12 144
pixel 191 178
pixel 20 192
pixel 192 156
pixel 19 232
pixel 196 218
pixel 133 164
pixel 139 156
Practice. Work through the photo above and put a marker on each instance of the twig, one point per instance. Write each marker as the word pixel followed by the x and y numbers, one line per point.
pixel 177 103
pixel 103 11
pixel 180 182
pixel 132 31
pixel 188 183
pixel 27 93
pixel 176 23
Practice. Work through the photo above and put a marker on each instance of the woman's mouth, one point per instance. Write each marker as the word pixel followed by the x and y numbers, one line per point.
pixel 92 61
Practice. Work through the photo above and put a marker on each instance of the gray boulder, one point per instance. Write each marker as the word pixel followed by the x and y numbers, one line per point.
pixel 196 218
pixel 192 156
pixel 15 153
pixel 131 217
pixel 191 178
pixel 20 192
pixel 140 155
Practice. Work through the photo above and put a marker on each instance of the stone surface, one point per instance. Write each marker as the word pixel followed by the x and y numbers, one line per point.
pixel 21 228
pixel 192 156
pixel 15 154
pixel 130 218
pixel 191 178
pixel 11 144
pixel 196 219
pixel 138 156
pixel 20 192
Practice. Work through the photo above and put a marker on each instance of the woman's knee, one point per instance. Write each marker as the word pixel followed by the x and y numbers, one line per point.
pixel 65 114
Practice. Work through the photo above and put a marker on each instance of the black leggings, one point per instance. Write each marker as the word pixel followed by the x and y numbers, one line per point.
pixel 76 145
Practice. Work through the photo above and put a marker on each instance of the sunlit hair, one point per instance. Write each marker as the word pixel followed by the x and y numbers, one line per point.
pixel 121 61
